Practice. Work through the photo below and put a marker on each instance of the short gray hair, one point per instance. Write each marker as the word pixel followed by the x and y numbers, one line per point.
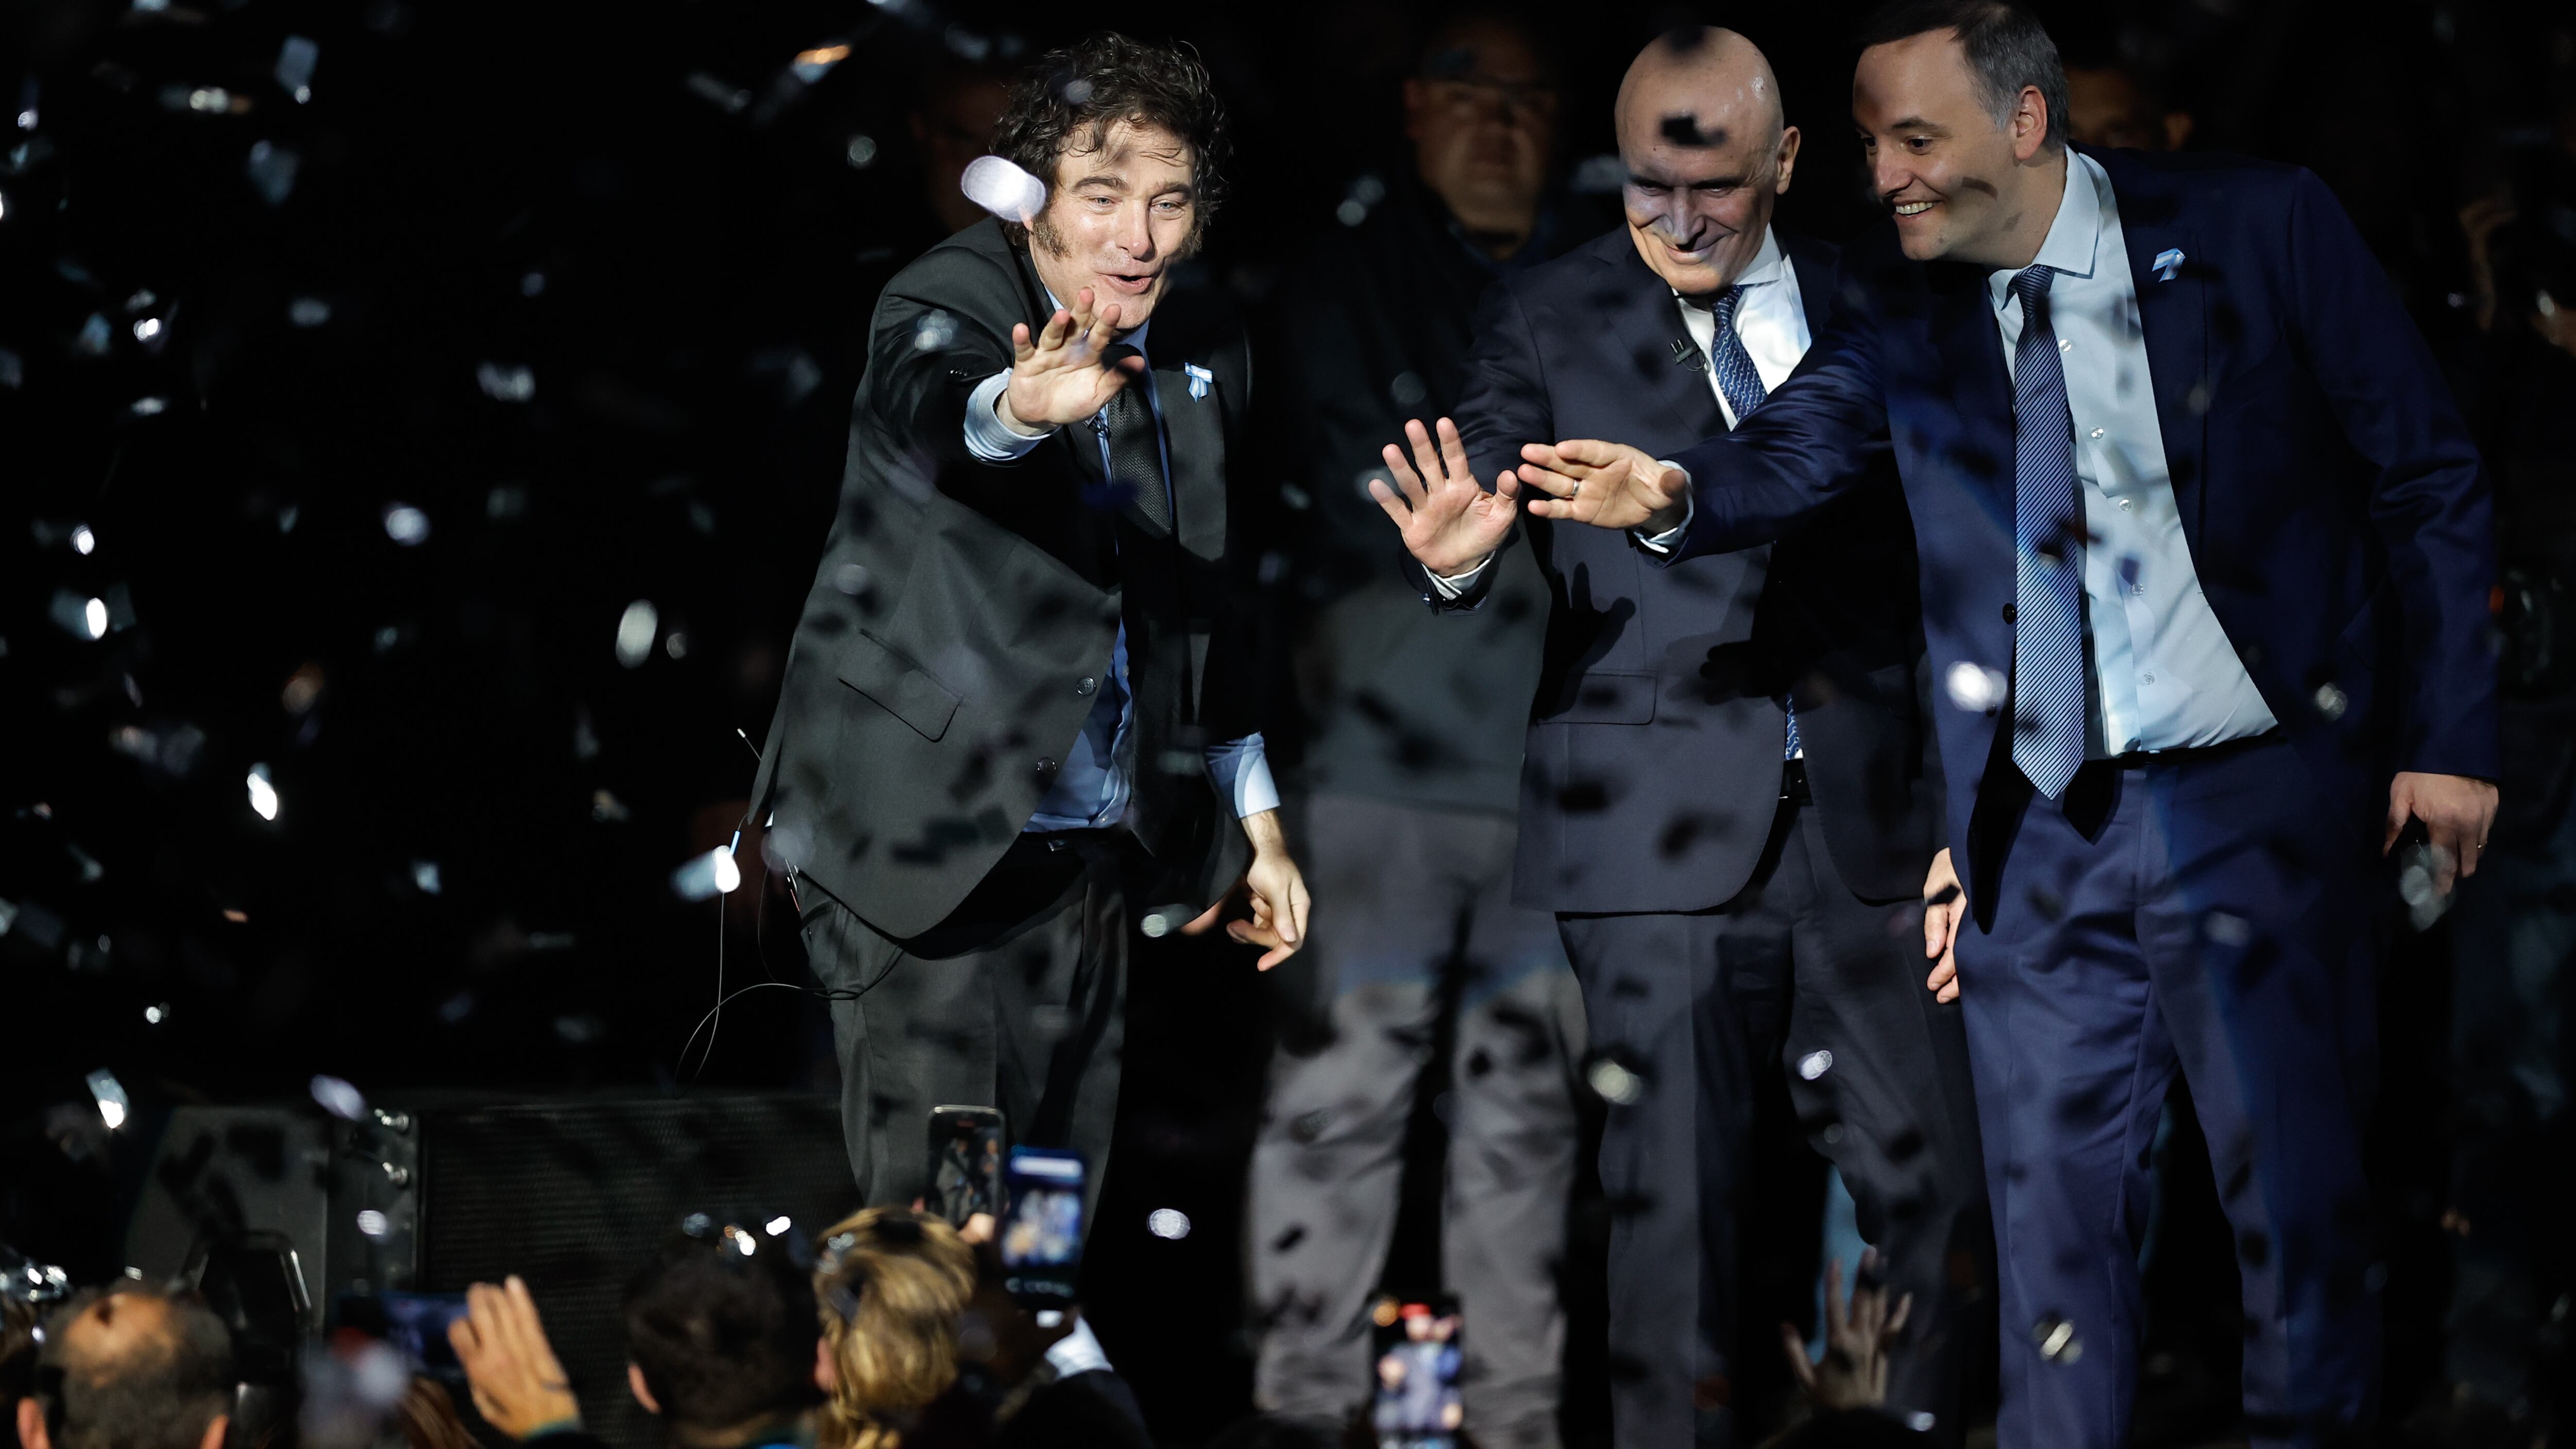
pixel 2007 50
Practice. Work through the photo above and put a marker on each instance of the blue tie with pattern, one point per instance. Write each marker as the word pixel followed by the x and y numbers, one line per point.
pixel 2048 554
pixel 1744 391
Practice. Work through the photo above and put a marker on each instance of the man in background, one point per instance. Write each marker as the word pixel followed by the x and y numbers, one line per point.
pixel 129 1367
pixel 1731 800
pixel 2110 103
pixel 1412 776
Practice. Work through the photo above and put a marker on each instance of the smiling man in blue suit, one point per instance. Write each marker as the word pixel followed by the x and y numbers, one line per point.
pixel 2206 555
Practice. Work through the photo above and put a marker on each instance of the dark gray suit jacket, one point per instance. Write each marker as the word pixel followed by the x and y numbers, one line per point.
pixel 964 612
pixel 1652 769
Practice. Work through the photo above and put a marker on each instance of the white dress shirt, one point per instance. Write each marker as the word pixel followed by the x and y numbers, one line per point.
pixel 1770 320
pixel 1096 781
pixel 2164 674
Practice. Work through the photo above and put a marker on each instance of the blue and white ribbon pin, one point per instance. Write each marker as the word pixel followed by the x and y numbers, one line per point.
pixel 1200 377
pixel 2168 262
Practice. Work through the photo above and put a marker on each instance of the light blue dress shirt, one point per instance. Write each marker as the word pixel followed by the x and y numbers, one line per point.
pixel 1095 784
pixel 2164 675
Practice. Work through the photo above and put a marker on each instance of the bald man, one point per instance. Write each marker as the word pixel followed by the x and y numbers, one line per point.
pixel 1730 798
pixel 129 1367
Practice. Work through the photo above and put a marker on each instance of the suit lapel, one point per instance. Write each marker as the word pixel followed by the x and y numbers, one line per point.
pixel 1971 349
pixel 1648 331
pixel 2174 316
pixel 1194 442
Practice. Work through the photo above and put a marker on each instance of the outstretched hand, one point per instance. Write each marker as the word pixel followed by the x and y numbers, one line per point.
pixel 1607 485
pixel 1450 523
pixel 1060 376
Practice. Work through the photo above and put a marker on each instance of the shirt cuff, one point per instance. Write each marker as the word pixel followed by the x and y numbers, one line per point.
pixel 1670 538
pixel 1241 772
pixel 1451 586
pixel 987 436
pixel 1077 1352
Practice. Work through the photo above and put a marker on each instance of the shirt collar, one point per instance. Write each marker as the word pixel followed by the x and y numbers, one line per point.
pixel 2070 245
pixel 1135 339
pixel 1769 265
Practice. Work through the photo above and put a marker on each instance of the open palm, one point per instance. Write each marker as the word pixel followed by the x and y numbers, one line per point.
pixel 1062 374
pixel 1450 523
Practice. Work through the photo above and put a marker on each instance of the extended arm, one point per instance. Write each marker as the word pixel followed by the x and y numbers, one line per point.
pixel 1799 451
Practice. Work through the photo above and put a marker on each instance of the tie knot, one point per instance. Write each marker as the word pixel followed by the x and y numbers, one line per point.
pixel 2031 285
pixel 1726 304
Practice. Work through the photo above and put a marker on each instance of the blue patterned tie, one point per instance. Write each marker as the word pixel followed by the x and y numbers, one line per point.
pixel 2048 554
pixel 1742 385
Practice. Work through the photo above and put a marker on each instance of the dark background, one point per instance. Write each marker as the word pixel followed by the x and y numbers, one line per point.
pixel 640 212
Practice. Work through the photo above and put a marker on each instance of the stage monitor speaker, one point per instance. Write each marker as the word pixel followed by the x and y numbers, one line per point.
pixel 428 1195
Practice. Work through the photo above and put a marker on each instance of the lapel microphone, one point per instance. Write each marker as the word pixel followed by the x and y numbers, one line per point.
pixel 1687 354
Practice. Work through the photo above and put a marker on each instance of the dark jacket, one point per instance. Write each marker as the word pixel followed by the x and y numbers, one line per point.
pixel 2336 512
pixel 1653 768
pixel 964 612
pixel 1376 329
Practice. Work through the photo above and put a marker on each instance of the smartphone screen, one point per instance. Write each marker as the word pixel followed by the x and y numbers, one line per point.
pixel 1042 1235
pixel 416 1323
pixel 965 1163
pixel 1418 1346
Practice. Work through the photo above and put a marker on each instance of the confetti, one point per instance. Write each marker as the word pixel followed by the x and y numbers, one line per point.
pixel 636 629
pixel 1003 189
pixel 113 1105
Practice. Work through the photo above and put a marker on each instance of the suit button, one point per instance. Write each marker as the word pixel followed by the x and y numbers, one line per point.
pixel 1086 686
pixel 2008 613
pixel 1046 768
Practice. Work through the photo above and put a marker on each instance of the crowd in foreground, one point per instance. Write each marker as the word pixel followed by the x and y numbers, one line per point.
pixel 896 1333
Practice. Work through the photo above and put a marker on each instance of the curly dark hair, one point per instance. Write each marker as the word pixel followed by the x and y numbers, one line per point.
pixel 1068 101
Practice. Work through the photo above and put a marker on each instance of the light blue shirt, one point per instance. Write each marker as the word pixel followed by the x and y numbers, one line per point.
pixel 1096 782
pixel 2164 675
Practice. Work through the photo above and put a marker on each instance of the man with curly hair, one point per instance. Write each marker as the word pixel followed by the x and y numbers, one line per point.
pixel 1016 726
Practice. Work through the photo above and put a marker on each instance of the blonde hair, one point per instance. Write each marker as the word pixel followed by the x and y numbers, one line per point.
pixel 892 1285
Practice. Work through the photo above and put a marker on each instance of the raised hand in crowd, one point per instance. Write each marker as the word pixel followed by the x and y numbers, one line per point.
pixel 1607 485
pixel 1858 1335
pixel 519 1385
pixel 1450 523
pixel 1063 374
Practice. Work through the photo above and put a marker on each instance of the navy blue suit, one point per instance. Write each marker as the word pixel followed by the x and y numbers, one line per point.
pixel 1724 923
pixel 2211 911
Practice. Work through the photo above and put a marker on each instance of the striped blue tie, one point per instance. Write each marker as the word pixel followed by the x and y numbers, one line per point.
pixel 2048 554
pixel 1742 384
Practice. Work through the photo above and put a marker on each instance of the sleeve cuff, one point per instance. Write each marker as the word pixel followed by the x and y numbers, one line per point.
pixel 1451 586
pixel 1240 769
pixel 1078 1352
pixel 987 436
pixel 1670 538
